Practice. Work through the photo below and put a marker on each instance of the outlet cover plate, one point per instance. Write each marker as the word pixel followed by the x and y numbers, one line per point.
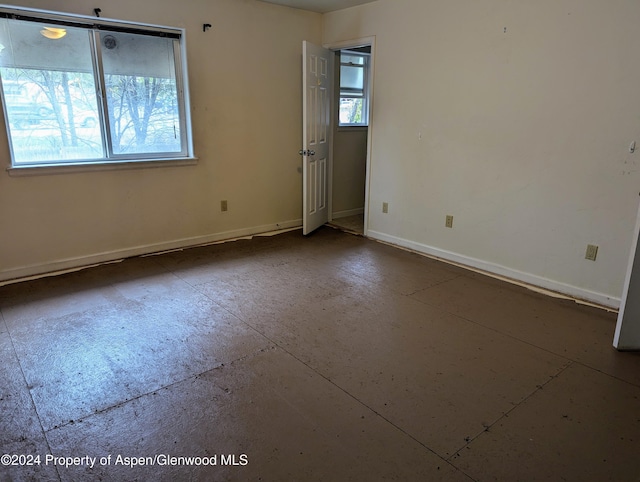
pixel 449 221
pixel 592 252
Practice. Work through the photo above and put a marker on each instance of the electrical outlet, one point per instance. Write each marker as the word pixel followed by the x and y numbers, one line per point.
pixel 223 206
pixel 449 221
pixel 592 252
pixel 385 208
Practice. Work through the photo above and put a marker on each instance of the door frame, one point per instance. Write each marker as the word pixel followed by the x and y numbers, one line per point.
pixel 627 334
pixel 336 46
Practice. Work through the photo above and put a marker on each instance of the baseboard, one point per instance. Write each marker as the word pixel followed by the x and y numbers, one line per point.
pixel 71 264
pixel 349 212
pixel 502 272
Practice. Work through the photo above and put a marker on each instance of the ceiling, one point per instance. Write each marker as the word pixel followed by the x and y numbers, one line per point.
pixel 320 6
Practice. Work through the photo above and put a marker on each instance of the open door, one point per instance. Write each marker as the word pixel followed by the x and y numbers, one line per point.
pixel 317 77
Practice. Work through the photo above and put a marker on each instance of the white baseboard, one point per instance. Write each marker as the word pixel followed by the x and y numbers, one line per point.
pixel 496 270
pixel 349 212
pixel 70 264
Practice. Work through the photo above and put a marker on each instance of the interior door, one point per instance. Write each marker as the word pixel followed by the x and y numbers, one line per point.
pixel 317 77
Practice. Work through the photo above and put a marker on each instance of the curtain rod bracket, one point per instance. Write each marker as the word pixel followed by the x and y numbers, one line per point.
pixel 97 11
pixel 206 26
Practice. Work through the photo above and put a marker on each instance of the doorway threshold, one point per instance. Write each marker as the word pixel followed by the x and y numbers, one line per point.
pixel 350 224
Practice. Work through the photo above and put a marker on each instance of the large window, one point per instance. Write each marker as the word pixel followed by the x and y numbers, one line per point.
pixel 354 88
pixel 82 90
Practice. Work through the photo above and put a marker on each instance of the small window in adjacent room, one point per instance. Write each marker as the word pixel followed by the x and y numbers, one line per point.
pixel 354 87
pixel 81 90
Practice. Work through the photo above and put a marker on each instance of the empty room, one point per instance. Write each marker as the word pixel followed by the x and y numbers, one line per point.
pixel 307 240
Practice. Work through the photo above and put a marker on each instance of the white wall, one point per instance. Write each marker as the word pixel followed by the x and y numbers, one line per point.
pixel 515 117
pixel 349 170
pixel 245 79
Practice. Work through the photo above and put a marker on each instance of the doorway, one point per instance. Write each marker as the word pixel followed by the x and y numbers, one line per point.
pixel 351 143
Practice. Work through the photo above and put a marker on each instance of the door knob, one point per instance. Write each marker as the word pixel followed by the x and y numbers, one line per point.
pixel 312 153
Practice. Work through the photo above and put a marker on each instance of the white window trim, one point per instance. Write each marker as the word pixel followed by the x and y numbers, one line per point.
pixel 365 91
pixel 116 162
pixel 93 166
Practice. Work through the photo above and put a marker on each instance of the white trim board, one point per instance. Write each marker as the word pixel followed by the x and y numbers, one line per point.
pixel 72 264
pixel 537 283
pixel 627 334
pixel 534 282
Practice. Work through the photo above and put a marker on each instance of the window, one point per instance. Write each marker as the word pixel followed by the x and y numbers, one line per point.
pixel 354 88
pixel 83 90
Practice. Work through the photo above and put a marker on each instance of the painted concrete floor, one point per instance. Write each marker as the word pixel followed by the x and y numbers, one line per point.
pixel 330 358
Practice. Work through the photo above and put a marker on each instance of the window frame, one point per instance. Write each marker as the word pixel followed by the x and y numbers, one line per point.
pixel 355 92
pixel 97 26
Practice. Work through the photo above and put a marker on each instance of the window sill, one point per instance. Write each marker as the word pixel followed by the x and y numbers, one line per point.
pixel 65 168
pixel 352 128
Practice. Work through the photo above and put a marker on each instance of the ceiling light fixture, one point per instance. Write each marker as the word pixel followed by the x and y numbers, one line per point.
pixel 53 33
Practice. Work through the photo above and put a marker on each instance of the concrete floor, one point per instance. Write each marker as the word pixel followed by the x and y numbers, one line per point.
pixel 351 224
pixel 328 358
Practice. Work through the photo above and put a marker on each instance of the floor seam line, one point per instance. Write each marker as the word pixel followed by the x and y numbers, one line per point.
pixel 279 346
pixel 439 283
pixel 495 330
pixel 360 402
pixel 584 365
pixel 506 414
pixel 33 402
pixel 163 387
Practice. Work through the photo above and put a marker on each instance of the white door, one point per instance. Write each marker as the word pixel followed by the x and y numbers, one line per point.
pixel 317 77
